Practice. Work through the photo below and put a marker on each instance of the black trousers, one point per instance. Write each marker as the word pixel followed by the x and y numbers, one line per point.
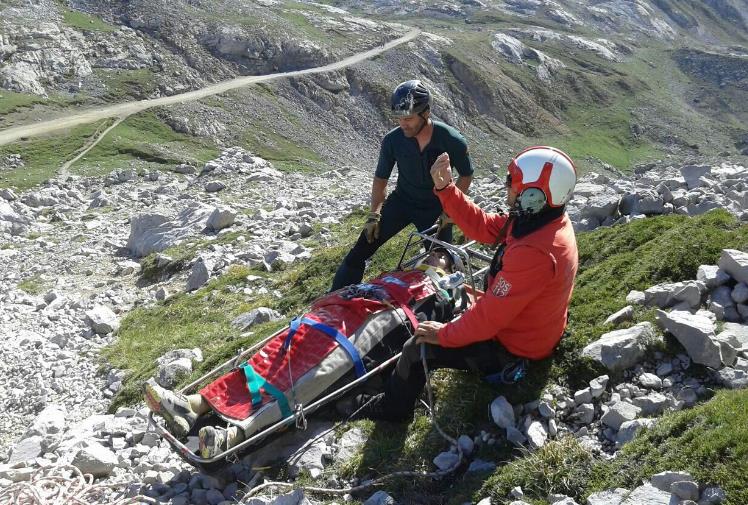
pixel 407 380
pixel 396 215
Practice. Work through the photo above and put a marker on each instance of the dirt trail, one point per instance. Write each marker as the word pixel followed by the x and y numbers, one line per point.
pixel 123 110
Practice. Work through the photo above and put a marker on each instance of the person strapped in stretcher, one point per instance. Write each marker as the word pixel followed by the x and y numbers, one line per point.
pixel 345 334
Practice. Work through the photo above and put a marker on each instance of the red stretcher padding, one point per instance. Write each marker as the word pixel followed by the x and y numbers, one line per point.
pixel 229 394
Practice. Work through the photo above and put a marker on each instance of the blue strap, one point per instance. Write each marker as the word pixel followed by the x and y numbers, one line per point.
pixel 256 381
pixel 341 339
pixel 292 329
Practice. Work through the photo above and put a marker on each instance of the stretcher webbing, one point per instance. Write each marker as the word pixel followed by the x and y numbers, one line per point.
pixel 341 339
pixel 256 381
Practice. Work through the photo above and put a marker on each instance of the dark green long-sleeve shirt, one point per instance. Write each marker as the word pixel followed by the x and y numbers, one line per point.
pixel 414 167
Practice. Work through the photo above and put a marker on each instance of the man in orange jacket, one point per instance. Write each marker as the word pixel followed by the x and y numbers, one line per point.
pixel 523 313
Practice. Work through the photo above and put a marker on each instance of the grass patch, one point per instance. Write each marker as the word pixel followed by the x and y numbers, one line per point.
pixel 85 22
pixel 10 101
pixel 285 154
pixel 126 84
pixel 560 467
pixel 709 441
pixel 34 285
pixel 43 156
pixel 604 133
pixel 148 140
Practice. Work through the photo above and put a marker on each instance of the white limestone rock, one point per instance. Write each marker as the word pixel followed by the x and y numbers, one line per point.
pixel 200 273
pixel 735 263
pixel 629 429
pixel 619 413
pixel 625 314
pixel 95 459
pixel 102 320
pixel 621 349
pixel 502 412
pixel 695 332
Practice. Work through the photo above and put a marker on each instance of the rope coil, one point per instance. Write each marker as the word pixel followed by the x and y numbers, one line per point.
pixel 65 485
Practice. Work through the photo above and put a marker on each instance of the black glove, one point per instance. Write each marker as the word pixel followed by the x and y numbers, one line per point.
pixel 371 228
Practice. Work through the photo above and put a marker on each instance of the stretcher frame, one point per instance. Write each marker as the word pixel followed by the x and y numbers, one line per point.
pixel 467 252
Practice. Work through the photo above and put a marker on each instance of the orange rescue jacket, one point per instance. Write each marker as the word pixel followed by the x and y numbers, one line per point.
pixel 526 303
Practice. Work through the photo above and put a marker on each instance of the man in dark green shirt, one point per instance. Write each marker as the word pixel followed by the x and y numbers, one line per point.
pixel 414 147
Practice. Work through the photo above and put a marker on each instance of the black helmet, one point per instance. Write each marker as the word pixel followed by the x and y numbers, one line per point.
pixel 410 97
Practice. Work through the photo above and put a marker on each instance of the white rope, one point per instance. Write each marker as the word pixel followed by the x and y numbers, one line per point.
pixel 65 485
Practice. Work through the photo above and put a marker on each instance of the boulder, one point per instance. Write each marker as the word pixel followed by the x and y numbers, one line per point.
pixel 214 186
pixel 380 498
pixel 621 349
pixel 625 314
pixel 733 378
pixel 221 218
pixel 664 480
pixel 735 263
pixel 537 435
pixel 502 412
pixel 95 459
pixel 102 320
pixel 643 495
pixel 200 274
pixel 50 421
pixel 618 413
pixel 712 276
pixel 169 375
pixel 628 429
pixel 695 332
pixel 151 233
pixel 692 174
pixel 651 404
pixel 260 315
pixel 349 445
pixel 446 460
pixel 27 450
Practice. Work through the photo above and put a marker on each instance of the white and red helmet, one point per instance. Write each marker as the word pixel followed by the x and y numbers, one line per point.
pixel 544 168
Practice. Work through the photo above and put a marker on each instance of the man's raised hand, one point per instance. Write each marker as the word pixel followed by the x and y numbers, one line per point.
pixel 441 171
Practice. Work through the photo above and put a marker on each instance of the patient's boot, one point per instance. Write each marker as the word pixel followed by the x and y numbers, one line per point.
pixel 172 406
pixel 215 440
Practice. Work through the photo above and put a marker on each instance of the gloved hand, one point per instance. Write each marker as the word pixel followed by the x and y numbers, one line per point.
pixel 371 228
pixel 443 221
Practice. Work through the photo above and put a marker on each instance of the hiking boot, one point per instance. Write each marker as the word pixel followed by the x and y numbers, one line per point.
pixel 172 406
pixel 378 408
pixel 214 440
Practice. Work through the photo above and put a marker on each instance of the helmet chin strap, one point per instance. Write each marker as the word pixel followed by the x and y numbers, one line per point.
pixel 423 125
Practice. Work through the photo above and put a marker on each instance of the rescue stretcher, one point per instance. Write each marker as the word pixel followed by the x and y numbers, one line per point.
pixel 275 417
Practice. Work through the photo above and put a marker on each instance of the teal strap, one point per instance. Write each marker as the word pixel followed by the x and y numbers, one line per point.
pixel 256 381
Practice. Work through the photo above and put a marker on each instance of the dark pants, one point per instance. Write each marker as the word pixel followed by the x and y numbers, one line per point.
pixel 396 215
pixel 406 383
